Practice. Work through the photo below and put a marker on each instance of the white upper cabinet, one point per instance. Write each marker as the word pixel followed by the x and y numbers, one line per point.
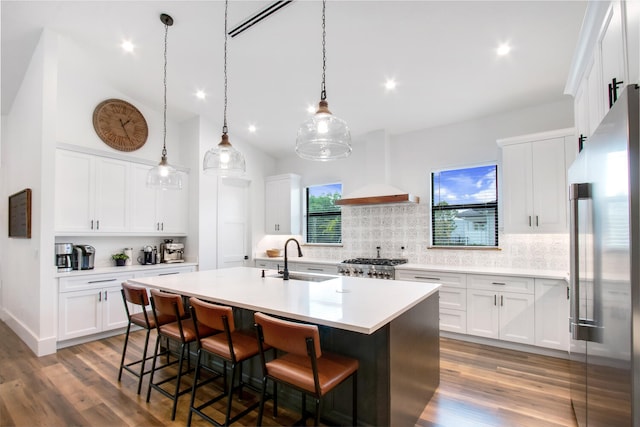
pixel 605 61
pixel 96 194
pixel 283 204
pixel 158 211
pixel 91 193
pixel 534 184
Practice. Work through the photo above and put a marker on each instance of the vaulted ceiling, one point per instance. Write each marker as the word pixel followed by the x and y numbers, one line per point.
pixel 442 54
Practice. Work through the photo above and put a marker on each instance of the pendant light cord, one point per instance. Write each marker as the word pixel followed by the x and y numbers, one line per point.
pixel 224 125
pixel 164 130
pixel 323 92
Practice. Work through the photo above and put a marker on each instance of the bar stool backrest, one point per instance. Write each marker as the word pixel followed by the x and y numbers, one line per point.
pixel 290 337
pixel 167 303
pixel 211 315
pixel 135 294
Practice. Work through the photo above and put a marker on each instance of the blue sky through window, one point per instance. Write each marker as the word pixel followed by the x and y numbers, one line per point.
pixel 465 186
pixel 327 189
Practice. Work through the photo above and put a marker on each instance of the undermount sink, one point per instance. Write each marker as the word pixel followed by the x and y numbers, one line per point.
pixel 304 277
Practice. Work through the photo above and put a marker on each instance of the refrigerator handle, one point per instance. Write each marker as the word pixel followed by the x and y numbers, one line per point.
pixel 579 328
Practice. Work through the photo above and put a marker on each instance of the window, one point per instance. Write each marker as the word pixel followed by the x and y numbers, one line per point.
pixel 464 207
pixel 324 218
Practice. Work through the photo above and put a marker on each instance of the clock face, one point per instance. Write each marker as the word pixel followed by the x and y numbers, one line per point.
pixel 120 125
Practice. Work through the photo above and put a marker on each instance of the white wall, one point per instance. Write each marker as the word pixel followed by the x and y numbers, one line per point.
pixel 28 293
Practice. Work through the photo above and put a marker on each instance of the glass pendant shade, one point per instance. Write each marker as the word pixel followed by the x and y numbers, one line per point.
pixel 224 160
pixel 323 136
pixel 164 176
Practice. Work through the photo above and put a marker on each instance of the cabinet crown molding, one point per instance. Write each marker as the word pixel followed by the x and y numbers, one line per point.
pixel 540 136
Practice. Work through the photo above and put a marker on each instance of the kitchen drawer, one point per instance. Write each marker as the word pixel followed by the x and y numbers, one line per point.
pixel 453 320
pixel 313 267
pixel 452 297
pixel 164 271
pixel 269 265
pixel 501 283
pixel 96 281
pixel 458 280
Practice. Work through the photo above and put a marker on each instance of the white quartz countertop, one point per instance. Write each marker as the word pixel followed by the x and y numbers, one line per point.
pixel 123 269
pixel 497 271
pixel 349 303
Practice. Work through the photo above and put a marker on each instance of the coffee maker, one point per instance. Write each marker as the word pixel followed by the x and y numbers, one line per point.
pixel 171 252
pixel 83 257
pixel 64 256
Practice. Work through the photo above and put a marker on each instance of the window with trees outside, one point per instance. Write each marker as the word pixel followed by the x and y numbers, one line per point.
pixel 464 207
pixel 323 216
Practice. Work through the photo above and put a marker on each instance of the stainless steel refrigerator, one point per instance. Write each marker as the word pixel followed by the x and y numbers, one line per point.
pixel 605 270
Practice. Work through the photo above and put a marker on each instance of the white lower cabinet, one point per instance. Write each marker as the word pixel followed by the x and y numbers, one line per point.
pixel 90 305
pixel 494 312
pixel 312 267
pixel 453 296
pixel 552 314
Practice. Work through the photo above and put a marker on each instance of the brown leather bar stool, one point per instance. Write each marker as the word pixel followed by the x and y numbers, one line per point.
pixel 138 297
pixel 232 346
pixel 181 331
pixel 303 366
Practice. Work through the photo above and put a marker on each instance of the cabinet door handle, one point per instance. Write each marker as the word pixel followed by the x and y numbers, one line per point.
pixel 162 226
pixel 168 274
pixel 501 300
pixel 529 220
pixel 495 300
pixel 537 221
pixel 98 225
pixel 314 269
pixel 106 296
pixel 498 283
pixel 100 296
pixel 426 278
pixel 92 224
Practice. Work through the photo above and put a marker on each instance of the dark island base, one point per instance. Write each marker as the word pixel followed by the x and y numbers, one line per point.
pixel 399 368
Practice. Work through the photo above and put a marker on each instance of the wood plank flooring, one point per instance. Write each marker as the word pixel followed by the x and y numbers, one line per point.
pixel 480 386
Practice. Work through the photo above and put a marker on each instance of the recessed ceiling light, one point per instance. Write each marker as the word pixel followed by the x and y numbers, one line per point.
pixel 127 46
pixel 252 128
pixel 390 84
pixel 503 49
pixel 201 94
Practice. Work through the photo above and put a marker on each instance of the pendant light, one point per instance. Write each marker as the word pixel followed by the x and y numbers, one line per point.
pixel 165 176
pixel 323 136
pixel 224 160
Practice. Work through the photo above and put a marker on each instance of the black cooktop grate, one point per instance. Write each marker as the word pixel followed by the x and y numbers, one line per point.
pixel 376 261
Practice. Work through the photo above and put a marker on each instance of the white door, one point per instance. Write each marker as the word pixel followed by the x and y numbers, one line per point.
pixel 233 222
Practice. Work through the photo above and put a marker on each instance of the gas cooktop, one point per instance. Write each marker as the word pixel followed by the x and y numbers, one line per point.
pixel 376 261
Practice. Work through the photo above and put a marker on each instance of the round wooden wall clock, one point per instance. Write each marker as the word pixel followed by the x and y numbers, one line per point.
pixel 120 125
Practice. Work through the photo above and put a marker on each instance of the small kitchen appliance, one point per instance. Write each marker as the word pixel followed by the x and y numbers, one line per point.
pixel 149 255
pixel 83 257
pixel 373 268
pixel 64 256
pixel 171 252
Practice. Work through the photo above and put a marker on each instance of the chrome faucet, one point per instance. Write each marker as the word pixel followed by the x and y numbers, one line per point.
pixel 285 273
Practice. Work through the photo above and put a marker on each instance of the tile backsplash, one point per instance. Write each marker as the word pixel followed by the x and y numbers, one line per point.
pixel 407 225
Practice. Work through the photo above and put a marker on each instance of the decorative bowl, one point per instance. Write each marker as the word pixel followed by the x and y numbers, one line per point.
pixel 272 253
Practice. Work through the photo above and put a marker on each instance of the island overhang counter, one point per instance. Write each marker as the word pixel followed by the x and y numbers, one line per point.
pixel 391 327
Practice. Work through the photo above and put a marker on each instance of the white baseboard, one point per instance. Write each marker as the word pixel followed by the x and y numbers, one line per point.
pixel 39 346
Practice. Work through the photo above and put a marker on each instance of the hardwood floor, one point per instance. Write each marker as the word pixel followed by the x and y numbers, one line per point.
pixel 480 386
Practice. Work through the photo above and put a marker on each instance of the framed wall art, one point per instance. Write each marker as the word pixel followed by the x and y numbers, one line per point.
pixel 20 214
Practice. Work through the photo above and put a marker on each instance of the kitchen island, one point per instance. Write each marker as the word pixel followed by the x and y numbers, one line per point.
pixel 391 327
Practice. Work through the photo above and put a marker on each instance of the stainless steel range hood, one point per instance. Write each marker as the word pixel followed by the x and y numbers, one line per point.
pixel 375 151
pixel 377 194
